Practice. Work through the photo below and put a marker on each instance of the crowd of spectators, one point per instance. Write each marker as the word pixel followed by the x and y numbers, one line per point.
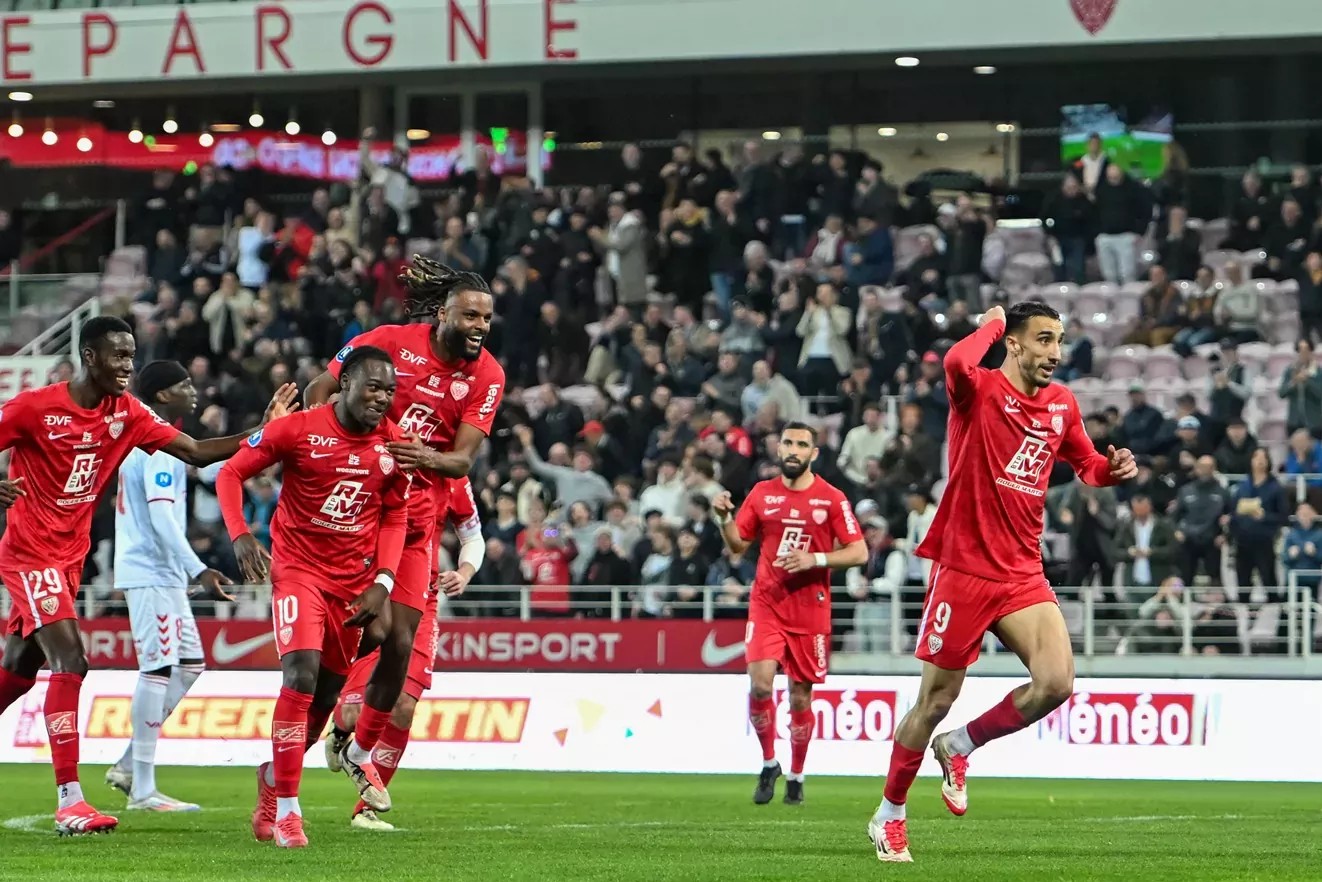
pixel 657 333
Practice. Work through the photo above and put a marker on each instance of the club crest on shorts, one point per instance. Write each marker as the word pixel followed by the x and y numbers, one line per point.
pixel 819 515
pixel 1057 424
pixel 934 643
pixel 387 463
pixel 286 633
pixel 49 605
pixel 116 429
pixel 458 389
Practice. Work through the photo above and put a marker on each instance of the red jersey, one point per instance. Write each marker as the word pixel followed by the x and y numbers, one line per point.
pixel 457 506
pixel 784 520
pixel 547 569
pixel 342 508
pixel 1002 445
pixel 736 439
pixel 66 455
pixel 433 397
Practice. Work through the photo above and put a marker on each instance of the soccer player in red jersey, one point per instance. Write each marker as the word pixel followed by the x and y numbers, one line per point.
pixel 449 390
pixel 1007 428
pixel 336 540
pixel 459 508
pixel 799 520
pixel 68 439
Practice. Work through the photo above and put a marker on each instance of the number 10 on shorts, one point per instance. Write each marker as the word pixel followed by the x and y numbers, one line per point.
pixel 286 614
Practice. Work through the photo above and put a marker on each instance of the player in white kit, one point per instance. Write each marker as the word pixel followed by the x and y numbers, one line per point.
pixel 154 565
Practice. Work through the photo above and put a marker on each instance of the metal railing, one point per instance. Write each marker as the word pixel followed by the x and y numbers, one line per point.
pixel 1103 621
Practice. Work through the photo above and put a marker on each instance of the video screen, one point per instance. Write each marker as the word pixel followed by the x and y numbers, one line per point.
pixel 1136 148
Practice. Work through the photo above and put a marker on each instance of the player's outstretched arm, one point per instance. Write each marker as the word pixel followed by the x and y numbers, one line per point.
pixel 320 390
pixel 413 454
pixel 204 453
pixel 1094 469
pixel 722 509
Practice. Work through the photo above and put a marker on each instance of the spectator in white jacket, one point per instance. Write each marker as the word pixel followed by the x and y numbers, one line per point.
pixel 769 387
pixel 668 495
pixel 874 586
pixel 922 511
pixel 863 442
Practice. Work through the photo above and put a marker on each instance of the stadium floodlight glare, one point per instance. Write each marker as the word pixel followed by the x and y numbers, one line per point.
pixel 20 96
pixel 256 120
pixel 942 136
pixel 292 127
pixel 906 61
pixel 49 138
pixel 135 134
pixel 206 139
pixel 888 131
pixel 771 136
pixel 170 126
pixel 985 70
pixel 84 144
pixel 328 138
pixel 103 104
pixel 15 129
pixel 1005 128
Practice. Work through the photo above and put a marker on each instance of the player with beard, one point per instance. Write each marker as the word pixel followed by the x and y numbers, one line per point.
pixel 1007 428
pixel 67 440
pixel 449 390
pixel 805 528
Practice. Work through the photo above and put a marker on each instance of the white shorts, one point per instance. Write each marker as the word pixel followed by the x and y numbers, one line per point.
pixel 164 631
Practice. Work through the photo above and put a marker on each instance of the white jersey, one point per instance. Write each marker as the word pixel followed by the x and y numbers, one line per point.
pixel 151 516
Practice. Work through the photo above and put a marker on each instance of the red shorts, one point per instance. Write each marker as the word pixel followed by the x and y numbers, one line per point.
pixel 417 570
pixel 306 617
pixel 423 657
pixel 40 595
pixel 805 658
pixel 960 609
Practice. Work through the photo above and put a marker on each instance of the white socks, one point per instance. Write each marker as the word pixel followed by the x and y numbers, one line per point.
pixel 147 711
pixel 960 742
pixel 769 764
pixel 182 678
pixel 70 794
pixel 286 805
pixel 793 777
pixel 889 811
pixel 357 754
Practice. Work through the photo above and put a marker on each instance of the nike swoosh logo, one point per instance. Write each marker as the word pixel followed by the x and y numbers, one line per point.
pixel 772 511
pixel 52 436
pixel 405 374
pixel 223 652
pixel 321 455
pixel 717 656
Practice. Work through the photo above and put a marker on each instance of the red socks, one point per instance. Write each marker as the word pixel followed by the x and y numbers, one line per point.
pixel 317 717
pixel 289 736
pixel 1001 720
pixel 903 769
pixel 12 688
pixel 802 723
pixel 762 714
pixel 62 725
pixel 389 751
pixel 371 723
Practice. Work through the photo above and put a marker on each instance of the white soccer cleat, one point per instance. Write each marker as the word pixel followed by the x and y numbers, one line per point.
pixel 367 820
pixel 121 779
pixel 954 771
pixel 891 839
pixel 334 744
pixel 159 802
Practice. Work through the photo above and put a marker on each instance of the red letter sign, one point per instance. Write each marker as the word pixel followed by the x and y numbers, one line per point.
pixel 557 24
pixel 275 42
pixel 383 42
pixel 100 47
pixel 9 48
pixel 183 42
pixel 477 40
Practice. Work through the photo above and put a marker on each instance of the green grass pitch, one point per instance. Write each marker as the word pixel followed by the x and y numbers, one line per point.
pixel 475 827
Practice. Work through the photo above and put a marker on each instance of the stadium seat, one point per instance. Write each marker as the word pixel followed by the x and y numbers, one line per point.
pixel 1272 431
pixel 906 243
pixel 1163 363
pixel 1026 271
pixel 1277 361
pixel 1126 363
pixel 1213 232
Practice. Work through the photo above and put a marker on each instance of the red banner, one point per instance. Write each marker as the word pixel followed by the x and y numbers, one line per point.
pixel 299 156
pixel 479 645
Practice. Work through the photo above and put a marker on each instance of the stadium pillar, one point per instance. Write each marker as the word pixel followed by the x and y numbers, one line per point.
pixel 536 134
pixel 468 126
pixel 1288 81
pixel 372 101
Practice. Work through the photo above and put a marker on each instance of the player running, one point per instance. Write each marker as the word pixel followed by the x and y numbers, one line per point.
pixel 67 440
pixel 336 540
pixel 1007 428
pixel 153 567
pixel 449 391
pixel 459 508
pixel 799 520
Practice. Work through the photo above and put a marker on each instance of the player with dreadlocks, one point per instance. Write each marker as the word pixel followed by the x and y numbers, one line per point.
pixel 449 388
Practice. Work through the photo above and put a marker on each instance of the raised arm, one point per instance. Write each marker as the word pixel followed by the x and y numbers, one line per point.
pixel 320 390
pixel 1076 449
pixel 963 358
pixel 732 528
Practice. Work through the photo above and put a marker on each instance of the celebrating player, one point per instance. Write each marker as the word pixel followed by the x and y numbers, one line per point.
pixel 336 539
pixel 1007 427
pixel 67 440
pixel 459 508
pixel 799 519
pixel 153 566
pixel 449 391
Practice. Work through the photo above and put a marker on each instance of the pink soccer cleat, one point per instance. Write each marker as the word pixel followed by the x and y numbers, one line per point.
pixel 891 839
pixel 289 832
pixel 263 816
pixel 954 769
pixel 81 819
